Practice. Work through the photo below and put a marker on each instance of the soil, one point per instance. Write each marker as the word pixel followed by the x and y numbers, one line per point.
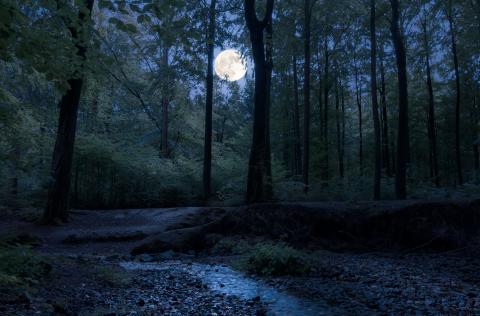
pixel 86 278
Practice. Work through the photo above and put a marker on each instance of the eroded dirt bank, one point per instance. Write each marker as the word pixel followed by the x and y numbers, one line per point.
pixel 401 225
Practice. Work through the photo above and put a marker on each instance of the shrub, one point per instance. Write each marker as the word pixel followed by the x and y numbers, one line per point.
pixel 276 259
pixel 19 265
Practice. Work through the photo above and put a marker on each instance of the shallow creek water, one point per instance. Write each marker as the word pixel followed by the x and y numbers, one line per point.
pixel 222 279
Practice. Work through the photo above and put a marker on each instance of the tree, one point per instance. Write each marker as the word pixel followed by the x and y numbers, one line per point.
pixel 57 201
pixel 268 148
pixel 403 131
pixel 458 154
pixel 340 122
pixel 207 158
pixel 358 94
pixel 306 93
pixel 256 167
pixel 431 125
pixel 376 120
pixel 383 102
pixel 296 122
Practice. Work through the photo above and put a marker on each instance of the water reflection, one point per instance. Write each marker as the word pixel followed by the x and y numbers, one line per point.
pixel 225 280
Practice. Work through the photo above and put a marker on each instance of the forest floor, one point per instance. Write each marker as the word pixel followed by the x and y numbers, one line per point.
pixel 91 272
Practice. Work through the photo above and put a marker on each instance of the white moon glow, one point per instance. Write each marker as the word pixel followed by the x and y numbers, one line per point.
pixel 229 65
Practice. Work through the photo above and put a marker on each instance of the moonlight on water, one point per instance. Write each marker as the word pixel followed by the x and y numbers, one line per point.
pixel 230 65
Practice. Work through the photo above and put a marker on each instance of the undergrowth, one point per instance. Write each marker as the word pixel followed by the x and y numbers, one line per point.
pixel 20 265
pixel 275 259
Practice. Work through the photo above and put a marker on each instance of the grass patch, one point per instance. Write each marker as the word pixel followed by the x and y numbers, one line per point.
pixel 275 259
pixel 20 265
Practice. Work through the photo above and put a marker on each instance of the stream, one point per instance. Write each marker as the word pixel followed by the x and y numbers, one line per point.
pixel 222 279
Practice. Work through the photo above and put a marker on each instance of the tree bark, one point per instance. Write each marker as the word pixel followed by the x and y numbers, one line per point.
pixel 403 131
pixel 57 200
pixel 256 167
pixel 358 92
pixel 207 157
pixel 326 84
pixel 458 155
pixel 376 120
pixel 296 122
pixel 337 123
pixel 306 91
pixel 269 69
pixel 432 137
pixel 385 135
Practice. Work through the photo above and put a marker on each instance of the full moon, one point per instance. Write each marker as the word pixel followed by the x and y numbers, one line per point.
pixel 229 65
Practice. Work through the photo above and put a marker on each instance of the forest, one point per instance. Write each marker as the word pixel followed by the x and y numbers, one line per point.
pixel 242 157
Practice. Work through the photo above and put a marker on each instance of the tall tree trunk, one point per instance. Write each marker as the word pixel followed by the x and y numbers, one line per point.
pixel 358 92
pixel 432 137
pixel 165 105
pixel 256 167
pixel 296 122
pixel 207 156
pixel 337 121
pixel 385 135
pixel 57 200
pixel 269 69
pixel 320 98
pixel 458 154
pixel 403 131
pixel 326 84
pixel 306 91
pixel 376 120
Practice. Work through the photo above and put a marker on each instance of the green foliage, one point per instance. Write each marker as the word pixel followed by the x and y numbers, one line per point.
pixel 20 265
pixel 275 259
pixel 117 159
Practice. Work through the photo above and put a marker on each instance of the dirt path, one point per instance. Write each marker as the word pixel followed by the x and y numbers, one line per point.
pixel 101 232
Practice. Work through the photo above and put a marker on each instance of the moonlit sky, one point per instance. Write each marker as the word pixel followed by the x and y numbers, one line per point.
pixel 230 66
pixel 242 82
